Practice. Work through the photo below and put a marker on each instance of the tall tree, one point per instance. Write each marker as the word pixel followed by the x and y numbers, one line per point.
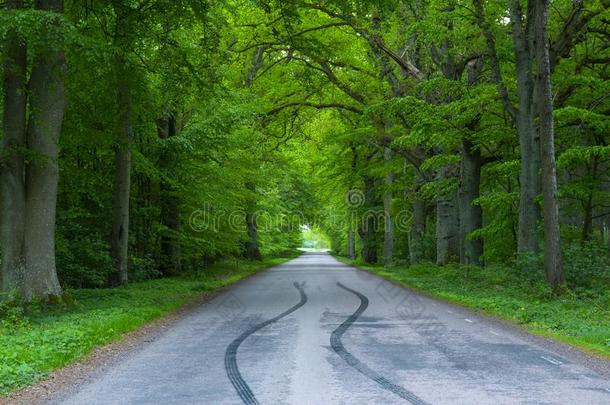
pixel 12 185
pixel 170 204
pixel 122 149
pixel 47 106
pixel 553 263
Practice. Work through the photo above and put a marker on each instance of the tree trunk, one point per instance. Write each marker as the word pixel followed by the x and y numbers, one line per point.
pixel 122 176
pixel 170 205
pixel 447 226
pixel 367 230
pixel 47 106
pixel 351 242
pixel 553 263
pixel 12 186
pixel 388 230
pixel 529 178
pixel 252 249
pixel 351 237
pixel 529 181
pixel 471 216
pixel 587 227
pixel 416 235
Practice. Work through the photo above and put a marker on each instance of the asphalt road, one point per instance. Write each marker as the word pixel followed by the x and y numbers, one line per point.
pixel 314 331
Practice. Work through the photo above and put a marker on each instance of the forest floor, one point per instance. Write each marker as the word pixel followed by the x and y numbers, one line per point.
pixel 581 320
pixel 39 340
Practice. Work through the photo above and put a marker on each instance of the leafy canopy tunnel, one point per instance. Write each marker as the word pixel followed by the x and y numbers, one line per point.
pixel 146 138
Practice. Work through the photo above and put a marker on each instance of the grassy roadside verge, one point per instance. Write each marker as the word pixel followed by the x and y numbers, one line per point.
pixel 34 343
pixel 580 321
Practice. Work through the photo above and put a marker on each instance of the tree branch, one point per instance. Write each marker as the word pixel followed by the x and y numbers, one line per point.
pixel 574 25
pixel 319 106
pixel 496 71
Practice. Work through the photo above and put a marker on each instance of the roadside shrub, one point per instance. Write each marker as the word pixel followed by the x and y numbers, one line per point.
pixel 587 266
pixel 83 261
pixel 143 268
pixel 12 313
pixel 529 267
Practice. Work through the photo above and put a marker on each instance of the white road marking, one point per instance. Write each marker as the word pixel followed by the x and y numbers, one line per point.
pixel 494 333
pixel 468 320
pixel 551 360
pixel 449 312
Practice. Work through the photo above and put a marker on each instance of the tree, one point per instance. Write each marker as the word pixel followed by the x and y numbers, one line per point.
pixel 12 184
pixel 553 263
pixel 30 191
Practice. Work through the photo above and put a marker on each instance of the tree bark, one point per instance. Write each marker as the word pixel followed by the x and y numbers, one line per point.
pixel 351 243
pixel 170 204
pixel 367 230
pixel 47 106
pixel 529 178
pixel 122 176
pixel 529 181
pixel 587 227
pixel 418 228
pixel 553 262
pixel 252 250
pixel 388 229
pixel 12 185
pixel 447 226
pixel 470 214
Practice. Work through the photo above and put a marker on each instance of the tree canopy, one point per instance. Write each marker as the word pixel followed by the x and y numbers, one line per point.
pixel 145 138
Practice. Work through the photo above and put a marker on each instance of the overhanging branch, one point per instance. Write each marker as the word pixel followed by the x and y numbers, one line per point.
pixel 317 106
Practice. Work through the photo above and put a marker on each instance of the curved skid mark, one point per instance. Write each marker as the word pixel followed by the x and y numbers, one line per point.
pixel 337 345
pixel 242 388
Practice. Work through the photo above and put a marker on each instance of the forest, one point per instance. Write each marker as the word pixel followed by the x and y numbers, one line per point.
pixel 147 139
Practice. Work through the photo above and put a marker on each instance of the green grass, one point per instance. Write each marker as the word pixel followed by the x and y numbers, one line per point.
pixel 580 320
pixel 39 340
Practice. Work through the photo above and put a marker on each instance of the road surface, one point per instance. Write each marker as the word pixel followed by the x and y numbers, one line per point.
pixel 315 331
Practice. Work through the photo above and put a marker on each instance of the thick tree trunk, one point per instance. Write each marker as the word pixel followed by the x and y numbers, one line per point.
pixel 351 242
pixel 252 250
pixel 351 234
pixel 12 186
pixel 587 227
pixel 388 230
pixel 447 226
pixel 47 106
pixel 471 216
pixel 418 228
pixel 529 178
pixel 170 205
pixel 368 223
pixel 553 263
pixel 122 177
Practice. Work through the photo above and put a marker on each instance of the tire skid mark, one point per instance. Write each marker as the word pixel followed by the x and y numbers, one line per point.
pixel 353 361
pixel 240 385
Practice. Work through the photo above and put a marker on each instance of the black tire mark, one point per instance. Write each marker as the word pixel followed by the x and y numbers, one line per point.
pixel 337 345
pixel 242 388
